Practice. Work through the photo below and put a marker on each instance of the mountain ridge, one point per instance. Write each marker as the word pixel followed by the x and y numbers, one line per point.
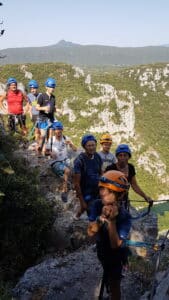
pixel 89 55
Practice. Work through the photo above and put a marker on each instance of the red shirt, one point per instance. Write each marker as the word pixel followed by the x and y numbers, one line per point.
pixel 15 102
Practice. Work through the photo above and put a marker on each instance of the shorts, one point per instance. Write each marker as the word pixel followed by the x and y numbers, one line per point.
pixel 59 167
pixel 43 125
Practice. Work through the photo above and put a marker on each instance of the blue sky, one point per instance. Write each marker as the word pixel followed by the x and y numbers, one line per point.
pixel 109 22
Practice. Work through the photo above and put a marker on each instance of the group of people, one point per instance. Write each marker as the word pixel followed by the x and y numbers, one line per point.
pixel 101 179
pixel 40 106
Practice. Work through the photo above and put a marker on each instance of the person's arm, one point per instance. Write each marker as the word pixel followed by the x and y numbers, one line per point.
pixel 115 240
pixel 138 190
pixel 43 108
pixel 40 106
pixel 59 111
pixel 71 145
pixel 2 98
pixel 76 179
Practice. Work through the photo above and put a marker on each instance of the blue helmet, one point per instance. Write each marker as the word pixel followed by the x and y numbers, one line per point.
pixel 50 82
pixel 33 84
pixel 11 80
pixel 86 138
pixel 123 148
pixel 57 125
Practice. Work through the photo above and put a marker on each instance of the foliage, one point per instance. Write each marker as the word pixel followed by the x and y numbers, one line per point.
pixel 5 290
pixel 25 216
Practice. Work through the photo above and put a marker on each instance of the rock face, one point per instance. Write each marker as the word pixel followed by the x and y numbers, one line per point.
pixel 162 287
pixel 76 276
pixel 162 291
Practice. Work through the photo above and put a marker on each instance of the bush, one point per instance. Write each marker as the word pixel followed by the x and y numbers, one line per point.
pixel 25 216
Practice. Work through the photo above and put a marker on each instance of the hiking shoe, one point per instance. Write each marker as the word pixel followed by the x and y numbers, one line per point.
pixel 64 197
pixel 75 218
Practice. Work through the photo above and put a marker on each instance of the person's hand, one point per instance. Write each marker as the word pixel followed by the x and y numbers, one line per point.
pixel 109 212
pixel 68 142
pixel 53 155
pixel 149 200
pixel 47 108
pixel 93 228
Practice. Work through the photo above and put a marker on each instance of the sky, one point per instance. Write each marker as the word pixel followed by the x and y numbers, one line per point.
pixel 122 23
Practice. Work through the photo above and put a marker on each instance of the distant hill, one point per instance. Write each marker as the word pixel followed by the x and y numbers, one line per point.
pixel 89 55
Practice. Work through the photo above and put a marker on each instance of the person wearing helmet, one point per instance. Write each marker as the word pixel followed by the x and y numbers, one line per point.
pixel 123 154
pixel 59 147
pixel 15 100
pixel 111 223
pixel 87 170
pixel 107 157
pixel 46 107
pixel 32 99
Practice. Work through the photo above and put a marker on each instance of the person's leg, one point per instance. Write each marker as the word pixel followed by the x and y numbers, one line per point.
pixel 66 176
pixel 22 123
pixel 36 128
pixel 11 123
pixel 114 289
pixel 112 265
pixel 37 135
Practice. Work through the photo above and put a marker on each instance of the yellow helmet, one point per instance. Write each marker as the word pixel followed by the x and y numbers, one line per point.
pixel 106 138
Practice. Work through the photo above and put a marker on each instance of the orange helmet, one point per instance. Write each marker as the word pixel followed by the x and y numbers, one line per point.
pixel 114 180
pixel 106 138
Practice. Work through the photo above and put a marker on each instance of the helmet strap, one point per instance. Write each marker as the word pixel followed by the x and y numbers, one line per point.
pixel 106 180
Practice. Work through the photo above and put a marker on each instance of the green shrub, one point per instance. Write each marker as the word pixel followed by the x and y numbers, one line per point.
pixel 25 216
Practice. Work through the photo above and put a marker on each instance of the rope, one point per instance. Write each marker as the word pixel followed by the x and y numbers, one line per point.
pixel 156 201
pixel 140 244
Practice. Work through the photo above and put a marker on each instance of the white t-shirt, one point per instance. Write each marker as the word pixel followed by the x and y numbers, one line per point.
pixel 59 148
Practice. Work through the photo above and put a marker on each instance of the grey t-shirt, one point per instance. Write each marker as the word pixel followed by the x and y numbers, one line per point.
pixel 107 159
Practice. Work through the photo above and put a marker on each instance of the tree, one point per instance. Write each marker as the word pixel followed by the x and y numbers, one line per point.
pixel 2 32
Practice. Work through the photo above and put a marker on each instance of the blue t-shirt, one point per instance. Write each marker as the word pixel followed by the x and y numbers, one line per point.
pixel 90 171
